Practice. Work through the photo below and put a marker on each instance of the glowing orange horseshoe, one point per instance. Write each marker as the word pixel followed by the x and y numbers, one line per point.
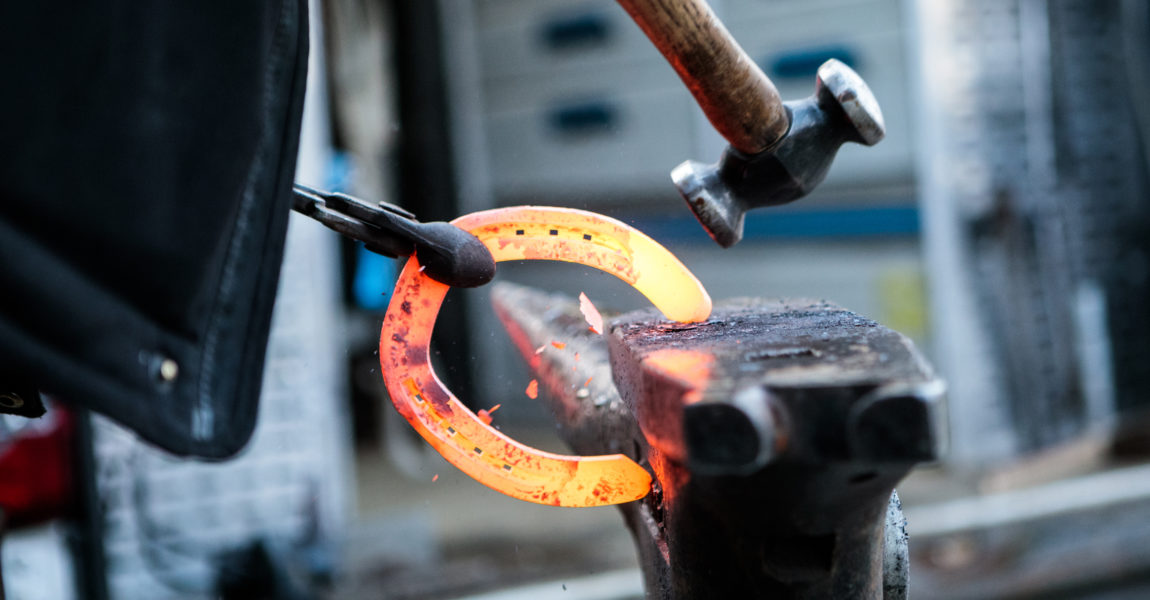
pixel 488 456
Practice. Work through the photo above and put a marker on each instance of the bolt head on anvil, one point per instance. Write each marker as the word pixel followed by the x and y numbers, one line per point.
pixel 842 109
pixel 763 380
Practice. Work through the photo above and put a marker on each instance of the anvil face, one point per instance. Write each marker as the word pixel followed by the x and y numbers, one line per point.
pixel 775 432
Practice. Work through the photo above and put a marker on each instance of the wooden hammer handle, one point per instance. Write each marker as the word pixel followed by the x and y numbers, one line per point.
pixel 737 97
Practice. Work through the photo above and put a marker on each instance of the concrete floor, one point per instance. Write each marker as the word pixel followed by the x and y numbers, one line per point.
pixel 422 536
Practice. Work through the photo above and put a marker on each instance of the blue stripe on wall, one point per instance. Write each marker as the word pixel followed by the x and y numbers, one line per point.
pixel 764 225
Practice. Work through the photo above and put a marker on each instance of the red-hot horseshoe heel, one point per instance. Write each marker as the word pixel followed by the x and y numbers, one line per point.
pixel 488 456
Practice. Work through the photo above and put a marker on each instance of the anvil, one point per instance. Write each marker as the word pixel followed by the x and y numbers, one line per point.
pixel 775 432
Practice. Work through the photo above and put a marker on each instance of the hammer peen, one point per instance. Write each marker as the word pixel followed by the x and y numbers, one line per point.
pixel 779 151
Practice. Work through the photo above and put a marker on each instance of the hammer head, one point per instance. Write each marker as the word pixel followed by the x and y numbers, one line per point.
pixel 842 109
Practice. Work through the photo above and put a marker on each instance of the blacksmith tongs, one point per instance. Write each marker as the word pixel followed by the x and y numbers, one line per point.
pixel 450 254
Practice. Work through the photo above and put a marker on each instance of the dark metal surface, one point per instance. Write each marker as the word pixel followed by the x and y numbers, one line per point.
pixel 18 396
pixel 842 109
pixel 776 432
pixel 86 539
pixel 591 415
pixel 451 255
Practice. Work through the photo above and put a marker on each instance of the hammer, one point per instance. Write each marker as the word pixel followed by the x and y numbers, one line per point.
pixel 778 151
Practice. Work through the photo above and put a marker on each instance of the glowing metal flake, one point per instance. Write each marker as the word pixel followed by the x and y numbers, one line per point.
pixel 488 456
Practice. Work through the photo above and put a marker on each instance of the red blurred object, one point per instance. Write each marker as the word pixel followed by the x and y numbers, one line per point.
pixel 36 478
